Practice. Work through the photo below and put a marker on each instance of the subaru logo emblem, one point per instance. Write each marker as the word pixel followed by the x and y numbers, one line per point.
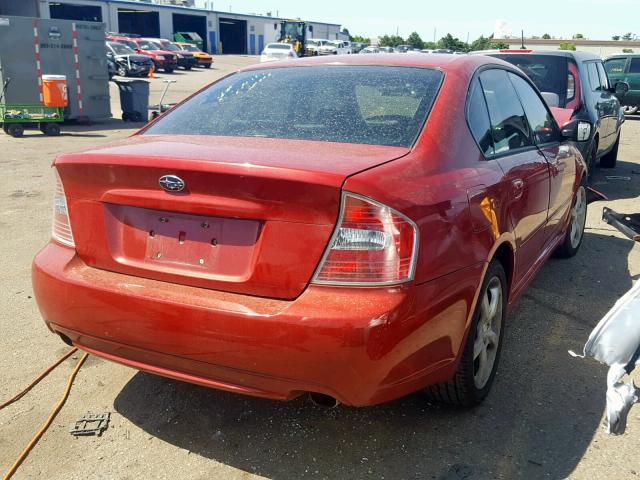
pixel 171 183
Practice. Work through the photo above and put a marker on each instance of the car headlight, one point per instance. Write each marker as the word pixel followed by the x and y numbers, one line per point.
pixel 160 57
pixel 180 56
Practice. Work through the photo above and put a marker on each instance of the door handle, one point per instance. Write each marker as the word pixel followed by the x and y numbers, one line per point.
pixel 517 187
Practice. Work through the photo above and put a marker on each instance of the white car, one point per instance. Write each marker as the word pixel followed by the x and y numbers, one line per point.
pixel 370 50
pixel 277 51
pixel 335 47
pixel 314 44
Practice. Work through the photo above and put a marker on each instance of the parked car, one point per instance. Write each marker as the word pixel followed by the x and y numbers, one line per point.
pixel 403 48
pixel 626 68
pixel 278 51
pixel 357 47
pixel 370 50
pixel 335 47
pixel 386 50
pixel 578 81
pixel 162 59
pixel 314 44
pixel 186 60
pixel 126 62
pixel 204 59
pixel 243 242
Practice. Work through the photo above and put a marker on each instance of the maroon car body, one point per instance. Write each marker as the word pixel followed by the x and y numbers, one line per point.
pixel 278 266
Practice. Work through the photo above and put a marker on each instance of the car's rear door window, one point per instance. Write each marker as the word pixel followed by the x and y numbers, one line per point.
pixel 594 78
pixel 508 122
pixel 478 118
pixel 634 66
pixel 375 105
pixel 604 79
pixel 541 122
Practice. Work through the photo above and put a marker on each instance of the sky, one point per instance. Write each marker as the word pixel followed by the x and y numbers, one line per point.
pixel 595 19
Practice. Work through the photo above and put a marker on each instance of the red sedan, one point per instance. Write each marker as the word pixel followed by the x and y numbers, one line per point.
pixel 356 227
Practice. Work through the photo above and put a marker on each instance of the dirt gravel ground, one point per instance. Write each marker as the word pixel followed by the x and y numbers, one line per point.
pixel 543 418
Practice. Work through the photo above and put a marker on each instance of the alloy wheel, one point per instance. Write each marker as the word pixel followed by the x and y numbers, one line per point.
pixel 485 346
pixel 578 217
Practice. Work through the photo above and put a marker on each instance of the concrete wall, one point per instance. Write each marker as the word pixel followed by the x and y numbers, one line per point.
pixel 603 49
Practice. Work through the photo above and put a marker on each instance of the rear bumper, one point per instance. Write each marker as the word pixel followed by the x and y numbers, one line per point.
pixel 205 61
pixel 361 346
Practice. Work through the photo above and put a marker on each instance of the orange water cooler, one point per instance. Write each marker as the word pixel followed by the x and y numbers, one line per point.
pixel 54 90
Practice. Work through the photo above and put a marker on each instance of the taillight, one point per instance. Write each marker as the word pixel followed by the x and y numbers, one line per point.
pixel 61 230
pixel 571 87
pixel 372 245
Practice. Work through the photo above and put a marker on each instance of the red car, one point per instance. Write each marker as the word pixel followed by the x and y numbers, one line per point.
pixel 361 238
pixel 162 59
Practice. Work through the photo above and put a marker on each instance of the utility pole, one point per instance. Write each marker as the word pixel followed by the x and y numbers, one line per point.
pixel 434 34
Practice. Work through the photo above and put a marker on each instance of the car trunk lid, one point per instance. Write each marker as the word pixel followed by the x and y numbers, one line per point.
pixel 255 215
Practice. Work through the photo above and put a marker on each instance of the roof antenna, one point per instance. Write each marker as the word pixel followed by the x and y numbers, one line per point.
pixel 522 47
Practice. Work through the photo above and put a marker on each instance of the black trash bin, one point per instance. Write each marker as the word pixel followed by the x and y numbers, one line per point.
pixel 134 100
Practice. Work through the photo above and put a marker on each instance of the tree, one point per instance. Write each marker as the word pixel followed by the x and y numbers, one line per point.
pixel 429 45
pixel 627 36
pixel 452 43
pixel 415 41
pixel 615 37
pixel 481 43
pixel 546 36
pixel 346 31
pixel 391 41
pixel 627 50
pixel 567 46
pixel 360 39
pixel 578 36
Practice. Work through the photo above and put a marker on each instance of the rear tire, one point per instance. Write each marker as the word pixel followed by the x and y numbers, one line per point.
pixel 575 231
pixel 168 70
pixel 121 71
pixel 51 129
pixel 610 159
pixel 15 130
pixel 481 354
pixel 208 65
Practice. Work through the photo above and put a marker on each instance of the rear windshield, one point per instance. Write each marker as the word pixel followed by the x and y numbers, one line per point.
pixel 280 46
pixel 547 72
pixel 373 105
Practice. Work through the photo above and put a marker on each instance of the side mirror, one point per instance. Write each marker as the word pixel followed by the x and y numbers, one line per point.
pixel 577 131
pixel 621 88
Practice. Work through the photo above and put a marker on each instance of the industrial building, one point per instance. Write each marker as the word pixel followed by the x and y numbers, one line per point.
pixel 222 32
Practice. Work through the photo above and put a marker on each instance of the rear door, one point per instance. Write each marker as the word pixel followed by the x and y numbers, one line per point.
pixel 562 165
pixel 606 104
pixel 526 171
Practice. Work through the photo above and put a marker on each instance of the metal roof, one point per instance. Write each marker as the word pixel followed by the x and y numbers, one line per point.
pixel 187 10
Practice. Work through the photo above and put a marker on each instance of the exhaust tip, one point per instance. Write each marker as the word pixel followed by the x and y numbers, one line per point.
pixel 65 339
pixel 322 400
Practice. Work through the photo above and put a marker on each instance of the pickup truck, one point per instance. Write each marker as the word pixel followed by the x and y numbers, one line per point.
pixel 626 68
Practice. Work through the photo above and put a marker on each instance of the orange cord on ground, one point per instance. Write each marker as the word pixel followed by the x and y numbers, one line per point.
pixel 46 424
pixel 44 373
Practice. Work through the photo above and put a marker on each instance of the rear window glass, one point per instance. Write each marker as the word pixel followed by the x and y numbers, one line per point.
pixel 547 72
pixel 634 67
pixel 360 104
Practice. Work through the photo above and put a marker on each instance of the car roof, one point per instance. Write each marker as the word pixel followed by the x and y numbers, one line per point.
pixel 623 55
pixel 446 63
pixel 578 56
